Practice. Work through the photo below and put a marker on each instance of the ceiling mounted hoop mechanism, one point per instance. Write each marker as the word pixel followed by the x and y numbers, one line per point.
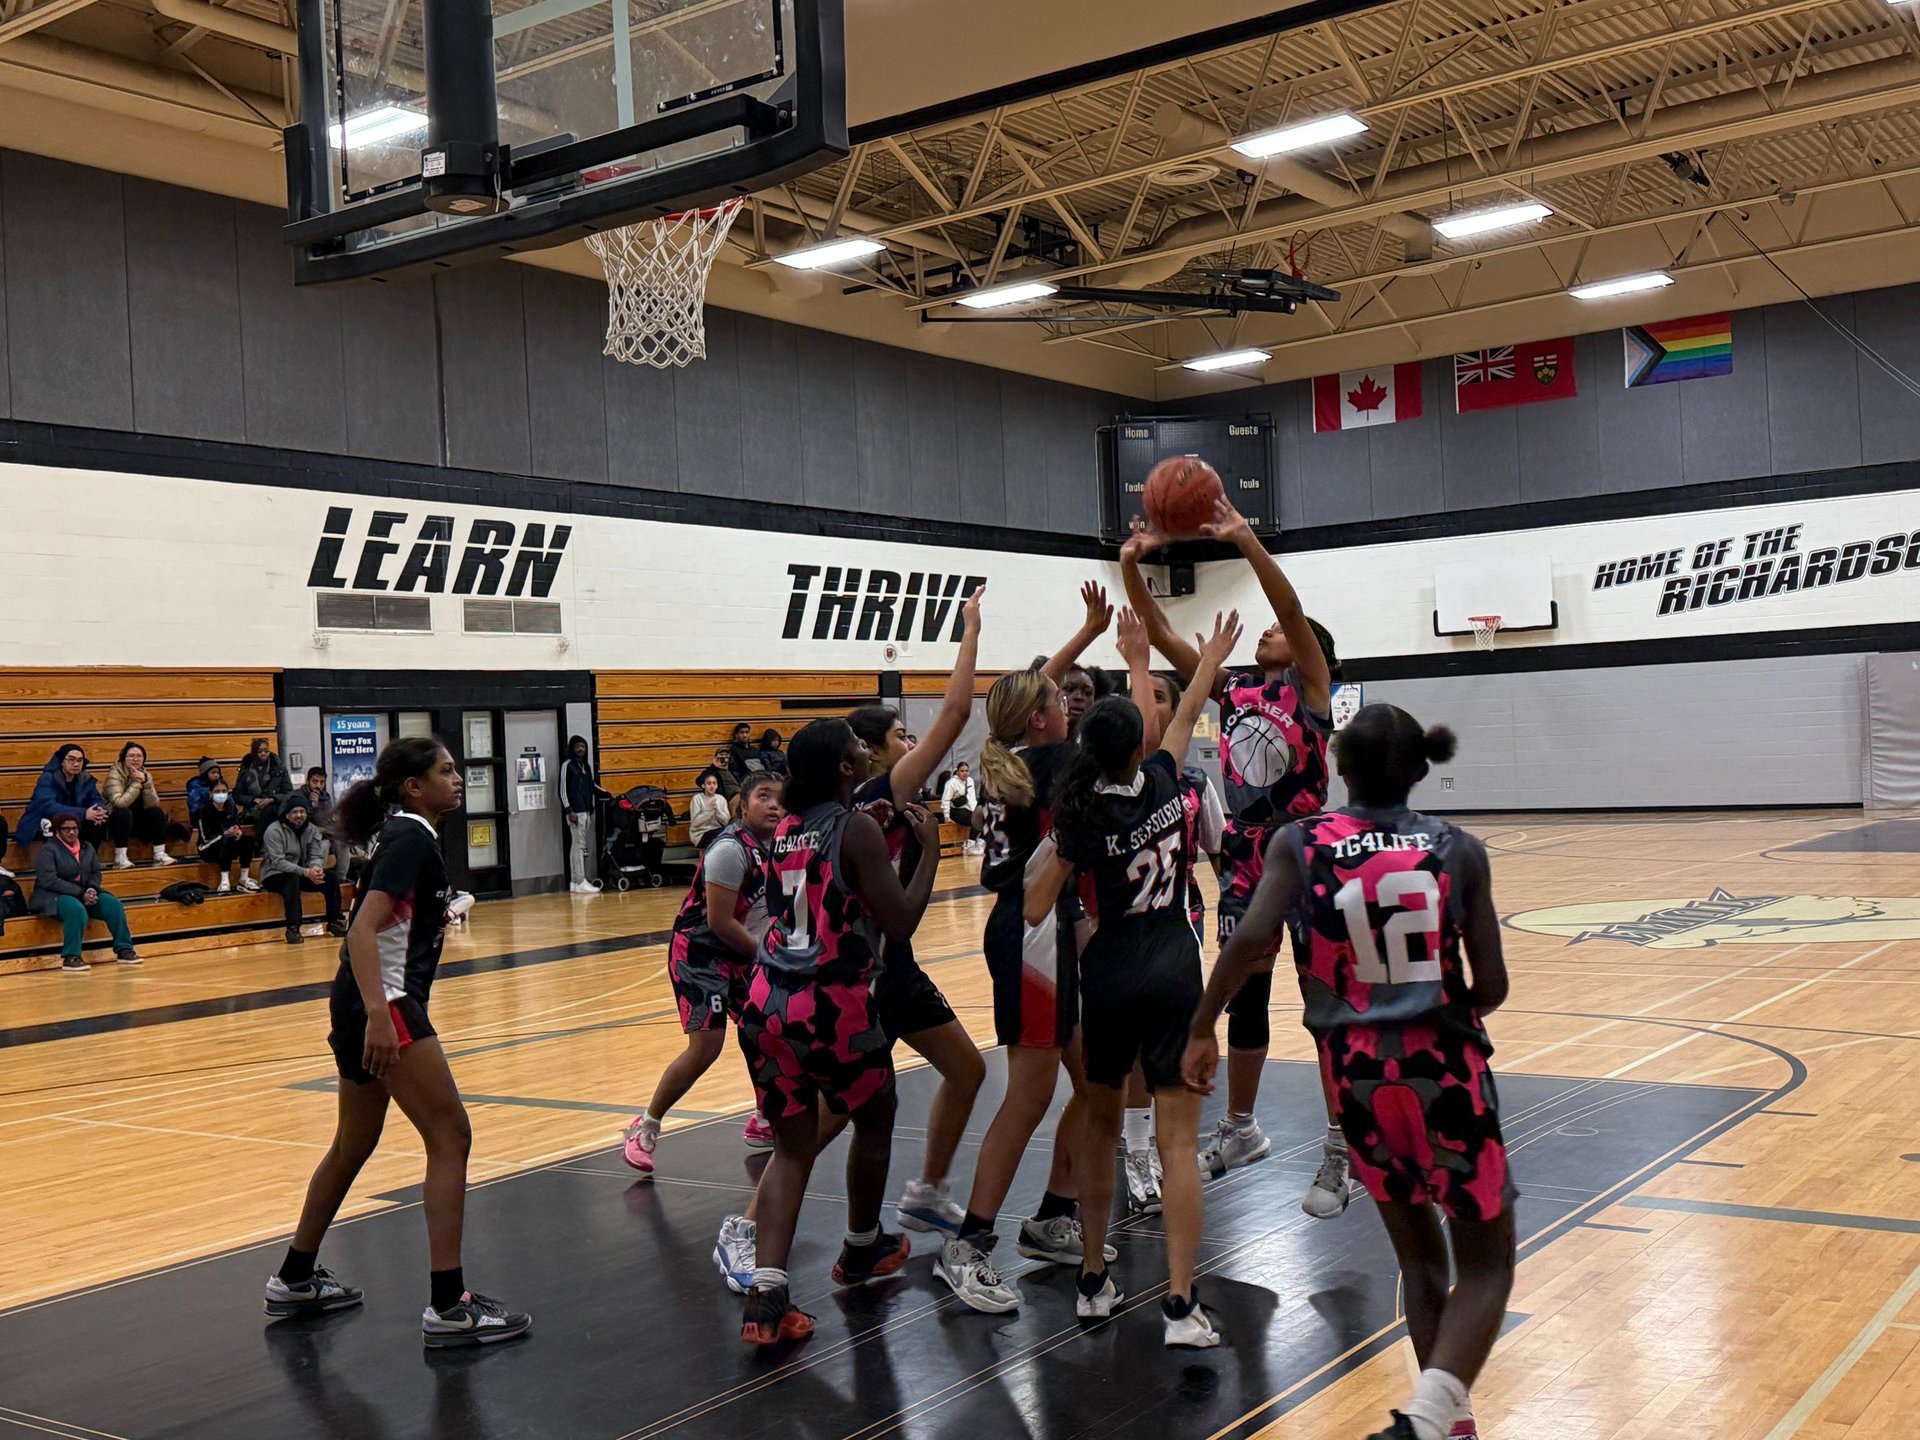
pixel 1485 629
pixel 657 284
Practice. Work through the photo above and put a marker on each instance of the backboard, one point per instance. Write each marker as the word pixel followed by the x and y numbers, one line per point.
pixel 432 130
pixel 1518 587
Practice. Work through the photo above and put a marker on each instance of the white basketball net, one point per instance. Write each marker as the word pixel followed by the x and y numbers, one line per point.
pixel 1485 627
pixel 657 284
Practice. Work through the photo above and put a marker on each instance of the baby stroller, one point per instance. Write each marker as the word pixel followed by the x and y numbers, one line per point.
pixel 636 838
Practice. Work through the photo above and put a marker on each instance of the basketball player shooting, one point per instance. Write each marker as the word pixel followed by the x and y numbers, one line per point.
pixel 1274 723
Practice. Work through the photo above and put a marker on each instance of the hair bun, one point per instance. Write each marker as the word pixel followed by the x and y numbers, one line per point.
pixel 1439 744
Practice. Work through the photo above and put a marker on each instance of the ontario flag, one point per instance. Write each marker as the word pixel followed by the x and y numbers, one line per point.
pixel 1366 397
pixel 1513 375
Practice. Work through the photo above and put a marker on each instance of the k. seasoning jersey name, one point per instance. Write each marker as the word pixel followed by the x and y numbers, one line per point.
pixel 1758 566
pixel 1137 839
pixel 886 603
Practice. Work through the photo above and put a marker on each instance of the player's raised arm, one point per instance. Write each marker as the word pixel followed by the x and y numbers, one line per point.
pixel 1213 654
pixel 911 770
pixel 1181 654
pixel 1316 681
pixel 1137 651
pixel 1099 616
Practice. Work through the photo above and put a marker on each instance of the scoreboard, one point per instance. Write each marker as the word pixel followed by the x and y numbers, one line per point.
pixel 1240 447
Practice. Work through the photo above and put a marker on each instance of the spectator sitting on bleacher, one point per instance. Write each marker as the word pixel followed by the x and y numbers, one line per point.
pixel 263 782
pixel 773 759
pixel 743 756
pixel 224 839
pixel 66 887
pixel 201 786
pixel 721 770
pixel 296 861
pixel 319 799
pixel 958 803
pixel 5 837
pixel 707 816
pixel 65 788
pixel 133 807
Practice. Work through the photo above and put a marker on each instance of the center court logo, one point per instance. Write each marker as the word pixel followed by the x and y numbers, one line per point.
pixel 1724 918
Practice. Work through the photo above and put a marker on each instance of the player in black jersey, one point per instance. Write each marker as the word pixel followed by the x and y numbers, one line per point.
pixel 1036 1008
pixel 1120 823
pixel 384 1046
pixel 1382 901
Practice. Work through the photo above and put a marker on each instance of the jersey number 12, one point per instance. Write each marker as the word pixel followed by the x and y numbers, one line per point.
pixel 1422 918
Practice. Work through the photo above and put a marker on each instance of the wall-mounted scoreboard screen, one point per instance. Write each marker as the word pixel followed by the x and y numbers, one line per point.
pixel 1240 447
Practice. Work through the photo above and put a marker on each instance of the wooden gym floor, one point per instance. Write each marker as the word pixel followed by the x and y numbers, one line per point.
pixel 1710 1066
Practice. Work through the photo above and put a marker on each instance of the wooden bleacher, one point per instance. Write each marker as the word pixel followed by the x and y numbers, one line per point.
pixel 179 715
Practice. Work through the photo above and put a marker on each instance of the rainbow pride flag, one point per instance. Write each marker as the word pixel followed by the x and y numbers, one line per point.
pixel 1669 350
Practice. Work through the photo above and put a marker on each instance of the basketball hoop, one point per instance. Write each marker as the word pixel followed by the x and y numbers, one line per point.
pixel 1485 627
pixel 657 284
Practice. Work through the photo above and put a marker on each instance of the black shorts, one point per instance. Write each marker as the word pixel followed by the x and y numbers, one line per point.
pixel 709 984
pixel 906 997
pixel 1036 979
pixel 348 1037
pixel 1138 993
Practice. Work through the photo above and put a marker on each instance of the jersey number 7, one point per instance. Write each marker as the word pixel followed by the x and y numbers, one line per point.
pixel 1422 918
pixel 794 882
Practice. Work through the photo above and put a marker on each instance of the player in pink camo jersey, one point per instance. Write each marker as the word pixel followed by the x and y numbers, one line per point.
pixel 1274 724
pixel 1380 900
pixel 810 1028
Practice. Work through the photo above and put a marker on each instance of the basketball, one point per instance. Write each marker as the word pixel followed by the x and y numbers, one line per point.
pixel 1255 750
pixel 1181 493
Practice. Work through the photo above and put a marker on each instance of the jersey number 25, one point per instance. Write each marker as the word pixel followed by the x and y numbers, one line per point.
pixel 1421 918
pixel 1157 872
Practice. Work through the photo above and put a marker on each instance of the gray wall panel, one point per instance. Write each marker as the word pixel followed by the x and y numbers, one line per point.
pixel 1336 486
pixel 290 343
pixel 1405 460
pixel 1640 447
pixel 829 421
pixel 707 413
pixel 1813 387
pixel 643 449
pixel 881 393
pixel 1291 410
pixel 1073 498
pixel 566 325
pixel 933 438
pixel 1577 738
pixel 1024 423
pixel 979 442
pixel 483 358
pixel 1889 321
pixel 183 313
pixel 770 421
pixel 1559 442
pixel 1481 452
pixel 67 344
pixel 389 337
pixel 1723 419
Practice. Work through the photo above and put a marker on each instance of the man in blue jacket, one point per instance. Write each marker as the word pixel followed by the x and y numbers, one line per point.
pixel 579 785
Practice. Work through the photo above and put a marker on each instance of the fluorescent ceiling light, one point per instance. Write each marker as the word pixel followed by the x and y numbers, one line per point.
pixel 1458 227
pixel 370 127
pixel 1231 360
pixel 1006 295
pixel 1299 137
pixel 1625 285
pixel 833 252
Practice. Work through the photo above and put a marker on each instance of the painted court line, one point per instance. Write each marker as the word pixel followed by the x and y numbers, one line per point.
pixel 1782 1214
pixel 1803 1409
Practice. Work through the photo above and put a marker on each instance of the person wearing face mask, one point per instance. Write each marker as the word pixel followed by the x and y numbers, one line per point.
pixel 225 840
pixel 296 861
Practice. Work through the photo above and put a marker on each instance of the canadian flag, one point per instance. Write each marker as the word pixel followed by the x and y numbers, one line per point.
pixel 1366 397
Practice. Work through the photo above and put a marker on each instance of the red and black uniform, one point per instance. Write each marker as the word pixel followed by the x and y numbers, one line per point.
pixel 1140 973
pixel 810 1028
pixel 909 1001
pixel 1036 999
pixel 406 865
pixel 709 978
pixel 1376 943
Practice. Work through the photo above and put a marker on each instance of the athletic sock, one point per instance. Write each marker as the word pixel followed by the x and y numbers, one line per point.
pixel 975 1225
pixel 860 1238
pixel 769 1277
pixel 1176 1307
pixel 1055 1207
pixel 1092 1282
pixel 297 1268
pixel 1336 1138
pixel 1437 1397
pixel 1137 1128
pixel 1239 1122
pixel 448 1287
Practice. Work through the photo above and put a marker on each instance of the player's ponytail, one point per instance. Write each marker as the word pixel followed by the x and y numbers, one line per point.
pixel 1010 707
pixel 1325 637
pixel 1383 753
pixel 361 810
pixel 1110 734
